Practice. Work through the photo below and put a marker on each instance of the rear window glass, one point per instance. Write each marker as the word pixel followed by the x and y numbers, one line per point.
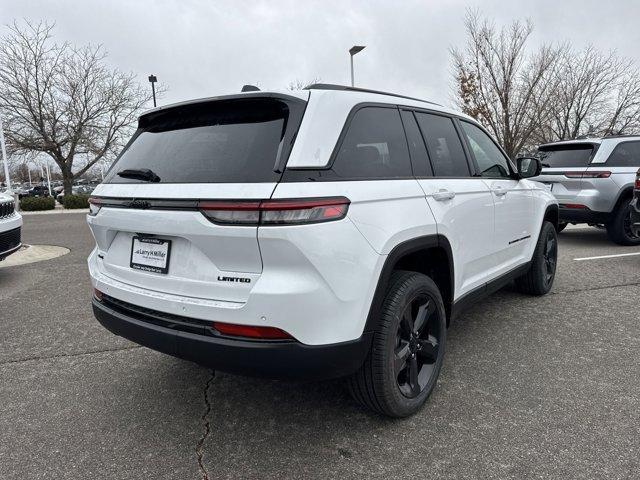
pixel 217 142
pixel 566 155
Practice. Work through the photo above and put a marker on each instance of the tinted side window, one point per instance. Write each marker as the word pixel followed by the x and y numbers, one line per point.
pixel 626 154
pixel 417 148
pixel 374 146
pixel 490 160
pixel 445 149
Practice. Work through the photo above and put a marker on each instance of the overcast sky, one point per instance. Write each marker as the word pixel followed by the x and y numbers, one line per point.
pixel 200 48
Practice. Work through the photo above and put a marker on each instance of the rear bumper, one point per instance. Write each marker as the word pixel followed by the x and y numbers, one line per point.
pixel 274 359
pixel 582 215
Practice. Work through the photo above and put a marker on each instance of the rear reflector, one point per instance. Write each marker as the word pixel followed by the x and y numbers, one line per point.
pixel 250 331
pixel 94 205
pixel 637 184
pixel 275 212
pixel 97 294
pixel 573 205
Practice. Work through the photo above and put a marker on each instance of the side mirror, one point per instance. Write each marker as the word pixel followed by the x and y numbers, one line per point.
pixel 528 167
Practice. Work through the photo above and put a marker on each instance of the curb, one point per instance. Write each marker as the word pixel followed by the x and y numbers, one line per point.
pixel 56 211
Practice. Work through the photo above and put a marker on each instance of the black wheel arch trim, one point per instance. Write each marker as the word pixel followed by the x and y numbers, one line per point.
pixel 399 251
pixel 624 193
pixel 554 209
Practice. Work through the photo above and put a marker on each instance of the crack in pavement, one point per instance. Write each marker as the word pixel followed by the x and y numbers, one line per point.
pixel 63 355
pixel 207 428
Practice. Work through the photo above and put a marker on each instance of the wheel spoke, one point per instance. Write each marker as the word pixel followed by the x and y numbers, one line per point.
pixel 413 376
pixel 550 246
pixel 406 323
pixel 424 311
pixel 400 357
pixel 429 349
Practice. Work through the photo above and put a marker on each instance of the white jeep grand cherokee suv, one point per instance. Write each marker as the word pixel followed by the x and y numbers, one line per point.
pixel 330 232
pixel 10 227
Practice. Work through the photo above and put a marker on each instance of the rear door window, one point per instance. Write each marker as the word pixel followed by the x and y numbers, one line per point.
pixel 570 155
pixel 217 142
pixel 445 148
pixel 374 146
pixel 626 154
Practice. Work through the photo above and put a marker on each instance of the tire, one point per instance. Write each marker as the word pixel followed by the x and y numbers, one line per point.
pixel 561 226
pixel 407 350
pixel 619 228
pixel 539 278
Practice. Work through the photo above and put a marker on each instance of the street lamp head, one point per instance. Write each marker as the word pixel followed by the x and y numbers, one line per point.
pixel 355 49
pixel 153 78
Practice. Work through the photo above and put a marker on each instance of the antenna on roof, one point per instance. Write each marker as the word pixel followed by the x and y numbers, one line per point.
pixel 250 88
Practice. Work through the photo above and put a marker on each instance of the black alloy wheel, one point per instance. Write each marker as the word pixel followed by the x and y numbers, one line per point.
pixel 550 255
pixel 417 344
pixel 407 351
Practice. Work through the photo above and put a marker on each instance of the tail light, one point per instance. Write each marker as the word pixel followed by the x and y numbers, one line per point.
pixel 589 174
pixel 94 206
pixel 275 212
pixel 250 331
pixel 637 184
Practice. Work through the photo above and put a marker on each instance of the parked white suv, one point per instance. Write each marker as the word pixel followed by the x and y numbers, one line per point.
pixel 330 232
pixel 10 226
pixel 593 180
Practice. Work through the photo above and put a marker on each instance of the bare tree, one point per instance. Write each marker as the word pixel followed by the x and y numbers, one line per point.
pixel 298 84
pixel 64 101
pixel 500 83
pixel 594 93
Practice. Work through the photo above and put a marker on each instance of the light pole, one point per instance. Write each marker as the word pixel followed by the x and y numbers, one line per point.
pixel 153 79
pixel 4 157
pixel 352 51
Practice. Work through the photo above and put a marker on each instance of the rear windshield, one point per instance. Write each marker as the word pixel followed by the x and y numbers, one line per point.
pixel 577 155
pixel 218 142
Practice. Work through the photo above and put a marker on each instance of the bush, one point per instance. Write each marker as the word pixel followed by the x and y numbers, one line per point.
pixel 75 201
pixel 33 204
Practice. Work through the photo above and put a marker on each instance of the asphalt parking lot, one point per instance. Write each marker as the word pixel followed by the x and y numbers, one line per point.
pixel 531 388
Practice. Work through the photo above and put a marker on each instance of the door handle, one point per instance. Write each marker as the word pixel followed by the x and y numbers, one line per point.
pixel 442 195
pixel 499 191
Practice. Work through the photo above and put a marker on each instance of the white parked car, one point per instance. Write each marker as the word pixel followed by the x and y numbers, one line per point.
pixel 10 226
pixel 329 232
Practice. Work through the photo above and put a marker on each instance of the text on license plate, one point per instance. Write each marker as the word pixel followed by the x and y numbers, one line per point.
pixel 150 254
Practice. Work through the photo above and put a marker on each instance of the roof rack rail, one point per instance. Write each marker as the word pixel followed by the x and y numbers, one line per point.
pixel 331 86
pixel 622 135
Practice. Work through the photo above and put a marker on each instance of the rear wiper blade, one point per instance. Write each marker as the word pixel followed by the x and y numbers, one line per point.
pixel 139 174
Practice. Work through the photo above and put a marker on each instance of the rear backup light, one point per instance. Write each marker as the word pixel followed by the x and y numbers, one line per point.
pixel 573 205
pixel 276 212
pixel 97 294
pixel 250 331
pixel 94 206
